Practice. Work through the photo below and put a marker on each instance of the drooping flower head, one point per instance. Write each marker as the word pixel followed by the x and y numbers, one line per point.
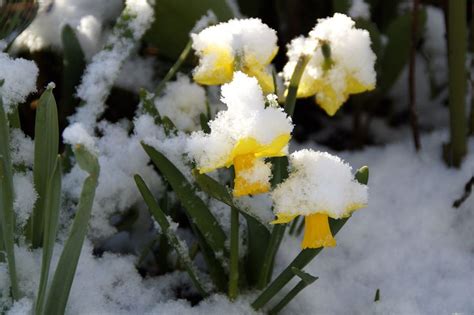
pixel 342 62
pixel 319 186
pixel 246 45
pixel 243 135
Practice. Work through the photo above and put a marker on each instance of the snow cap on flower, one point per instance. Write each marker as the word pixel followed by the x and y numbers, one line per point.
pixel 183 102
pixel 241 135
pixel 247 45
pixel 348 67
pixel 319 186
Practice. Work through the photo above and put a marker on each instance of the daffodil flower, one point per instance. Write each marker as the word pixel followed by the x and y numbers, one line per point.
pixel 243 135
pixel 341 62
pixel 319 186
pixel 246 45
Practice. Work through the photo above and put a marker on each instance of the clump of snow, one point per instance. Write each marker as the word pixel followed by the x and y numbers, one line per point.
pixel 76 134
pixel 318 183
pixel 351 64
pixel 25 197
pixel 359 9
pixel 105 66
pixel 120 157
pixel 86 17
pixel 21 307
pixel 21 148
pixel 183 102
pixel 259 206
pixel 19 80
pixel 260 172
pixel 249 39
pixel 245 117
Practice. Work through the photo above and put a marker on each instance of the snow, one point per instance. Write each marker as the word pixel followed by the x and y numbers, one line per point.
pixel 318 183
pixel 25 197
pixel 86 17
pixel 21 148
pixel 19 80
pixel 75 134
pixel 245 117
pixel 105 66
pixel 183 102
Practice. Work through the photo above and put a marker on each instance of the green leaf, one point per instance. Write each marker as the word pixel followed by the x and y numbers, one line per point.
pixel 64 275
pixel 305 256
pixel 7 216
pixel 73 67
pixel 397 50
pixel 173 240
pixel 51 219
pixel 174 19
pixel 46 150
pixel 306 277
pixel 196 209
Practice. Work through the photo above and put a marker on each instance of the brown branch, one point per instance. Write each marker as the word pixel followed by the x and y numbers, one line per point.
pixel 411 76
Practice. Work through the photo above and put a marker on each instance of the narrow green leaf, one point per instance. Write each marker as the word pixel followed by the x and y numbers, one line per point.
pixel 46 150
pixel 204 120
pixel 196 209
pixel 377 295
pixel 305 256
pixel 7 216
pixel 73 67
pixel 290 296
pixel 58 294
pixel 51 218
pixel 170 234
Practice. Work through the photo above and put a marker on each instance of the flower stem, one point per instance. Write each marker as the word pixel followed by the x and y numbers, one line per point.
pixel 294 83
pixel 234 254
pixel 457 29
pixel 174 69
pixel 411 76
pixel 472 69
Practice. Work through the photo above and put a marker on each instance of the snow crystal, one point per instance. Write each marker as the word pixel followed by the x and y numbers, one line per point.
pixel 246 116
pixel 105 67
pixel 25 197
pixel 183 102
pixel 21 148
pixel 21 307
pixel 260 172
pixel 359 9
pixel 19 80
pixel 76 134
pixel 86 17
pixel 318 183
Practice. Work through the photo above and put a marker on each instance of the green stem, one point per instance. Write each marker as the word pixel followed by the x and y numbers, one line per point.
pixel 297 289
pixel 174 69
pixel 234 254
pixel 294 83
pixel 457 81
pixel 14 118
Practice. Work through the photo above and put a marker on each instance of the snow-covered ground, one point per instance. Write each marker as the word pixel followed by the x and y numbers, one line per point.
pixel 409 242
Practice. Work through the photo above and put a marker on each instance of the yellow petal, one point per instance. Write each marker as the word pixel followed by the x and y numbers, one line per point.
pixel 243 187
pixel 221 67
pixel 254 68
pixel 317 232
pixel 283 218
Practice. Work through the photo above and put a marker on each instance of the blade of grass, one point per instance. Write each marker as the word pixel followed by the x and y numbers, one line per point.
pixel 7 216
pixel 196 209
pixel 306 280
pixel 51 220
pixel 178 245
pixel 305 256
pixel 58 294
pixel 46 150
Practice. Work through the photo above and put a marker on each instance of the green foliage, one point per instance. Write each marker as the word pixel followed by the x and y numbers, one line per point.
pixel 64 275
pixel 46 151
